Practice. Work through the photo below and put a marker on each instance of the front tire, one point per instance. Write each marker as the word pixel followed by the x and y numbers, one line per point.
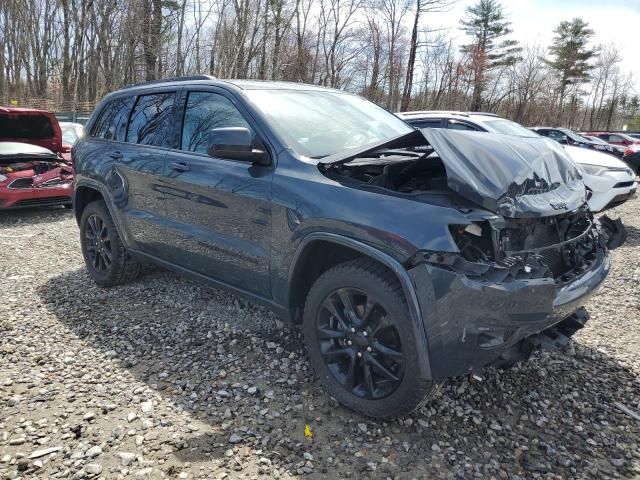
pixel 105 256
pixel 360 340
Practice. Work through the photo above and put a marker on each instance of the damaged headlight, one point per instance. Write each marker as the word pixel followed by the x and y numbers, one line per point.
pixel 474 241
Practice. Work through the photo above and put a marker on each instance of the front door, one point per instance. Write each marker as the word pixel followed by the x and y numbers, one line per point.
pixel 218 210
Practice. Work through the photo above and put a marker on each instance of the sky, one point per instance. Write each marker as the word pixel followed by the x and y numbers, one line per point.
pixel 614 22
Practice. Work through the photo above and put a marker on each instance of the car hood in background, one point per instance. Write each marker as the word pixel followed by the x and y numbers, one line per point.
pixel 593 157
pixel 10 150
pixel 36 127
pixel 513 176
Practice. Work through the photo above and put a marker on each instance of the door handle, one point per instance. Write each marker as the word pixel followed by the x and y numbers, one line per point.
pixel 116 155
pixel 179 166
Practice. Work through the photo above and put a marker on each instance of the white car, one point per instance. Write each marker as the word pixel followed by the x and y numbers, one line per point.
pixel 610 181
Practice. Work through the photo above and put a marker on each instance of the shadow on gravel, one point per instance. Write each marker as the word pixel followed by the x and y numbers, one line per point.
pixel 199 348
pixel 633 236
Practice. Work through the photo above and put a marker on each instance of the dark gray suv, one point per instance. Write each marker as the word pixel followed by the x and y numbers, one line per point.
pixel 406 256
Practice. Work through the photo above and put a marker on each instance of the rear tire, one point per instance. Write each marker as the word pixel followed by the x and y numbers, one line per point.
pixel 105 256
pixel 360 340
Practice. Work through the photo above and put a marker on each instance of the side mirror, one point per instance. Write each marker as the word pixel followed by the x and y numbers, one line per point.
pixel 235 143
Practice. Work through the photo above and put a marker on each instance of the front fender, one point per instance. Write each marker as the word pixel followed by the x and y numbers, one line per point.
pixel 396 267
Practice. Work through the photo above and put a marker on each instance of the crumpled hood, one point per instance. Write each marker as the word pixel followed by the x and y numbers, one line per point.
pixel 516 177
pixel 513 176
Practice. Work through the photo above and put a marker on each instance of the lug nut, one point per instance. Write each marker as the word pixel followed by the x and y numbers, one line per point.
pixel 365 333
pixel 359 354
pixel 349 342
pixel 353 330
pixel 369 349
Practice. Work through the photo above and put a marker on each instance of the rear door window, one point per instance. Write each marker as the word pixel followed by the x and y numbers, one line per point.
pixel 426 123
pixel 151 120
pixel 205 111
pixel 458 125
pixel 112 123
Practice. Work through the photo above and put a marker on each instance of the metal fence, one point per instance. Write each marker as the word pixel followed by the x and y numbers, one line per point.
pixel 65 110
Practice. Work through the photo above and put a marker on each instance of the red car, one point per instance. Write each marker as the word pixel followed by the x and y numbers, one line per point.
pixel 35 166
pixel 631 155
pixel 616 138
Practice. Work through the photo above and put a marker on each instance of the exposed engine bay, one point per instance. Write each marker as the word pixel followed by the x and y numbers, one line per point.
pixel 402 171
pixel 535 234
pixel 36 173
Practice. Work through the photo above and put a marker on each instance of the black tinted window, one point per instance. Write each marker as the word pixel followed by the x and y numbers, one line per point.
pixel 112 123
pixel 454 125
pixel 432 123
pixel 151 120
pixel 34 127
pixel 204 112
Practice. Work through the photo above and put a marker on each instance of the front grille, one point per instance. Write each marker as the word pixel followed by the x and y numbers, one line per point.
pixel 42 202
pixel 552 258
pixel 25 182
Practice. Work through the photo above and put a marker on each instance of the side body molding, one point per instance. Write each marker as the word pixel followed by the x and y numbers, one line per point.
pixel 422 348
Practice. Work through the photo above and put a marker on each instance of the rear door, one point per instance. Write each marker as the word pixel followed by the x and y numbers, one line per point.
pixel 218 209
pixel 150 135
pixel 131 138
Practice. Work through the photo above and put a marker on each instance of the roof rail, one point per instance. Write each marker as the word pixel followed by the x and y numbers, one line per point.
pixel 435 112
pixel 171 79
pixel 486 114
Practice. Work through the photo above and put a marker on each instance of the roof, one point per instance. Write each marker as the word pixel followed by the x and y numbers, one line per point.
pixel 240 84
pixel 440 113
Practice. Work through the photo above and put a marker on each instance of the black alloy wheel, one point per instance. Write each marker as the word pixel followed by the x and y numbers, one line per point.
pixel 360 344
pixel 108 261
pixel 98 243
pixel 360 340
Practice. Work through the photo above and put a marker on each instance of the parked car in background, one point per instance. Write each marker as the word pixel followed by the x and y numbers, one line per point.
pixel 634 135
pixel 35 166
pixel 616 138
pixel 71 132
pixel 610 181
pixel 628 154
pixel 406 255
pixel 615 150
pixel 569 137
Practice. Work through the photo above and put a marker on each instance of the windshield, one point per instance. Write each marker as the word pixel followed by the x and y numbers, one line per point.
pixel 317 124
pixel 595 139
pixel 573 136
pixel 507 127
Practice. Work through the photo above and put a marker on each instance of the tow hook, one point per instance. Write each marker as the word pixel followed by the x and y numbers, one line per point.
pixel 615 232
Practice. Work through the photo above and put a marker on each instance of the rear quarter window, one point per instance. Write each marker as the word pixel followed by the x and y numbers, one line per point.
pixel 112 120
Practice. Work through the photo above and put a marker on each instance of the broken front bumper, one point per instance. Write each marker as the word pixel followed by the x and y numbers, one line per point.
pixel 471 323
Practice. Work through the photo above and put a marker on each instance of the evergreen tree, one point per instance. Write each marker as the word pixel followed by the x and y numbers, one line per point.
pixel 487 25
pixel 570 55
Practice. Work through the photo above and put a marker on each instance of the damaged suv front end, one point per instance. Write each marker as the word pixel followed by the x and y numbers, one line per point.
pixel 524 261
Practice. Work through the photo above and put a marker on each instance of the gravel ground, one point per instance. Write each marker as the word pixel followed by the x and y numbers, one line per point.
pixel 167 378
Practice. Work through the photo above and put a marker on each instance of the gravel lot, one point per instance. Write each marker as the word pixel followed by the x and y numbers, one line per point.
pixel 167 378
